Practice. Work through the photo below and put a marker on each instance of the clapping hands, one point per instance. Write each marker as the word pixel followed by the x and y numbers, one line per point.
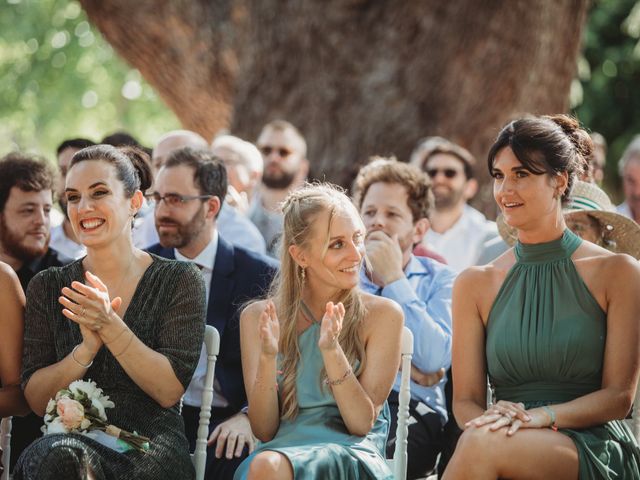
pixel 331 326
pixel 269 330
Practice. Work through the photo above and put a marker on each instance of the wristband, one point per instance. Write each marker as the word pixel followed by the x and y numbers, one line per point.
pixel 73 355
pixel 552 415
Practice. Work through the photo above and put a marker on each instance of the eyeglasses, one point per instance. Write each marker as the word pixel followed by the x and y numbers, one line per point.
pixel 174 200
pixel 447 172
pixel 282 152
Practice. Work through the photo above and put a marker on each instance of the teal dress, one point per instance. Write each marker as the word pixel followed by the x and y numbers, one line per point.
pixel 545 345
pixel 317 442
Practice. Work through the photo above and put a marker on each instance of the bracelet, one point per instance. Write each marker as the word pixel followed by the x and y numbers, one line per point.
pixel 73 355
pixel 552 415
pixel 117 336
pixel 125 348
pixel 333 383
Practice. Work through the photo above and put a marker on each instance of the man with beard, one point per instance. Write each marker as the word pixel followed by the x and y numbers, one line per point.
pixel 26 186
pixel 284 151
pixel 189 191
pixel 394 200
pixel 63 239
pixel 458 231
pixel 629 171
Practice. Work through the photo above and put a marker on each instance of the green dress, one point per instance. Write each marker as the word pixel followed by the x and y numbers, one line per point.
pixel 545 345
pixel 317 442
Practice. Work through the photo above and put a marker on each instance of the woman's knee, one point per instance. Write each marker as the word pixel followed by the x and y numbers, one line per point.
pixel 477 441
pixel 269 465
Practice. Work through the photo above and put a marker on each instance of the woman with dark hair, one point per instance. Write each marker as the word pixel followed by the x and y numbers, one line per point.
pixel 130 321
pixel 319 356
pixel 553 322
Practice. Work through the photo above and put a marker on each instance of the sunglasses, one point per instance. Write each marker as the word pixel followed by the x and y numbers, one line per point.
pixel 282 152
pixel 174 200
pixel 447 172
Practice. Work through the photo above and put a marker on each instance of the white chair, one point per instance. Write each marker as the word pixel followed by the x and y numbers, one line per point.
pixel 212 346
pixel 5 444
pixel 399 462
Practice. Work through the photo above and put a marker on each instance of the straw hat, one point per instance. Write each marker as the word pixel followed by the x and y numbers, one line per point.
pixel 620 234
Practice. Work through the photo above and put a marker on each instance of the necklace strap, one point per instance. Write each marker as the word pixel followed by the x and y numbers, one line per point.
pixel 306 311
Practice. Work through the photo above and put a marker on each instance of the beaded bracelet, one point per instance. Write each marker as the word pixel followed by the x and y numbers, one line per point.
pixel 333 383
pixel 552 415
pixel 73 356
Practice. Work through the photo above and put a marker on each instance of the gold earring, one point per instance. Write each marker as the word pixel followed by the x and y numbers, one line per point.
pixel 303 274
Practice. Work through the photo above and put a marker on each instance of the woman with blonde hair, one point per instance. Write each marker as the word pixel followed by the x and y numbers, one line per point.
pixel 319 356
pixel 553 322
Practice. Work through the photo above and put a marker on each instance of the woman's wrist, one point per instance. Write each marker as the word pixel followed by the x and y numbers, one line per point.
pixel 83 355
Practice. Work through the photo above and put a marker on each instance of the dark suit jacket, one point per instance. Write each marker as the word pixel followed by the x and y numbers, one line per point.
pixel 238 276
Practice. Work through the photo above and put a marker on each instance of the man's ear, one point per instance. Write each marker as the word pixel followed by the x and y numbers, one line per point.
pixel 213 206
pixel 298 255
pixel 470 189
pixel 420 229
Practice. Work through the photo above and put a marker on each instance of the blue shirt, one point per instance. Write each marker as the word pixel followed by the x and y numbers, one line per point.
pixel 425 297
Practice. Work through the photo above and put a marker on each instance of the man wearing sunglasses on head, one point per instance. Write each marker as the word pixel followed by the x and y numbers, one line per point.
pixel 458 231
pixel 284 151
pixel 189 192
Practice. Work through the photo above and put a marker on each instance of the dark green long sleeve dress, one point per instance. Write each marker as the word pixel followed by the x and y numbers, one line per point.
pixel 545 345
pixel 167 314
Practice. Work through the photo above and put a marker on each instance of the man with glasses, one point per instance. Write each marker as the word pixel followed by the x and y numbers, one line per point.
pixel 284 151
pixel 189 191
pixel 458 231
pixel 629 171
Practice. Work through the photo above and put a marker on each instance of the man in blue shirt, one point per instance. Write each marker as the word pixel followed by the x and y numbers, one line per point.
pixel 394 201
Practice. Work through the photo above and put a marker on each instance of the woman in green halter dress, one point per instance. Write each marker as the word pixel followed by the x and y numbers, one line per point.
pixel 552 322
pixel 319 357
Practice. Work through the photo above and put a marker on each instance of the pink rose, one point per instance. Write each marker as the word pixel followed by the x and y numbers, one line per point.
pixel 71 412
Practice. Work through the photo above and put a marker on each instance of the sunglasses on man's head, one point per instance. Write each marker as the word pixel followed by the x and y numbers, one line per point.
pixel 447 172
pixel 282 152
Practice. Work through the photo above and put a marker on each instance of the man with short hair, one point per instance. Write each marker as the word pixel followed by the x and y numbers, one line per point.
pixel 235 227
pixel 458 231
pixel 629 171
pixel 244 167
pixel 26 198
pixel 189 191
pixel 284 151
pixel 63 238
pixel 394 200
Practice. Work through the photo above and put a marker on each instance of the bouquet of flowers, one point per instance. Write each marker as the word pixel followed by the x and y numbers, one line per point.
pixel 81 408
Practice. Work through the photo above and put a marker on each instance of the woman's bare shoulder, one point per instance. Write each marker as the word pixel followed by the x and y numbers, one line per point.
pixel 381 313
pixel 252 311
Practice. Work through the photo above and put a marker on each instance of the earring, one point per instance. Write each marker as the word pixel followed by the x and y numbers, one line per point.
pixel 303 274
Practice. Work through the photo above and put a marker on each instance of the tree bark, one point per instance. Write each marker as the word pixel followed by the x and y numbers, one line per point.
pixel 358 77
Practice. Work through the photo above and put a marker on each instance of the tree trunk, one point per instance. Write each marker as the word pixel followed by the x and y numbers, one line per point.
pixel 358 77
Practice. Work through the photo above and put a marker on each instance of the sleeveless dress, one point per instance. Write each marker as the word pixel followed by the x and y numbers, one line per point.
pixel 167 313
pixel 317 442
pixel 545 345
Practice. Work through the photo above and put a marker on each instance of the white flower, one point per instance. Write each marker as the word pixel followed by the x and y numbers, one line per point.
pixel 87 387
pixel 51 406
pixel 100 407
pixel 85 424
pixel 56 426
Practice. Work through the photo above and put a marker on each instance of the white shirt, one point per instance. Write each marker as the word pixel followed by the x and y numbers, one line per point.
pixel 623 209
pixel 64 245
pixel 206 261
pixel 144 227
pixel 239 230
pixel 462 245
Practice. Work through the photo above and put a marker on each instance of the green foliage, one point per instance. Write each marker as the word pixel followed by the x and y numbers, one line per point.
pixel 609 75
pixel 60 79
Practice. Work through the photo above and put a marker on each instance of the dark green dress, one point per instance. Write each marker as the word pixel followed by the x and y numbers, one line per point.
pixel 545 345
pixel 167 313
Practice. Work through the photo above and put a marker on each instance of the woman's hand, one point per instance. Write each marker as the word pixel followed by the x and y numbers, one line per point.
pixel 91 308
pixel 269 330
pixel 331 326
pixel 500 415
